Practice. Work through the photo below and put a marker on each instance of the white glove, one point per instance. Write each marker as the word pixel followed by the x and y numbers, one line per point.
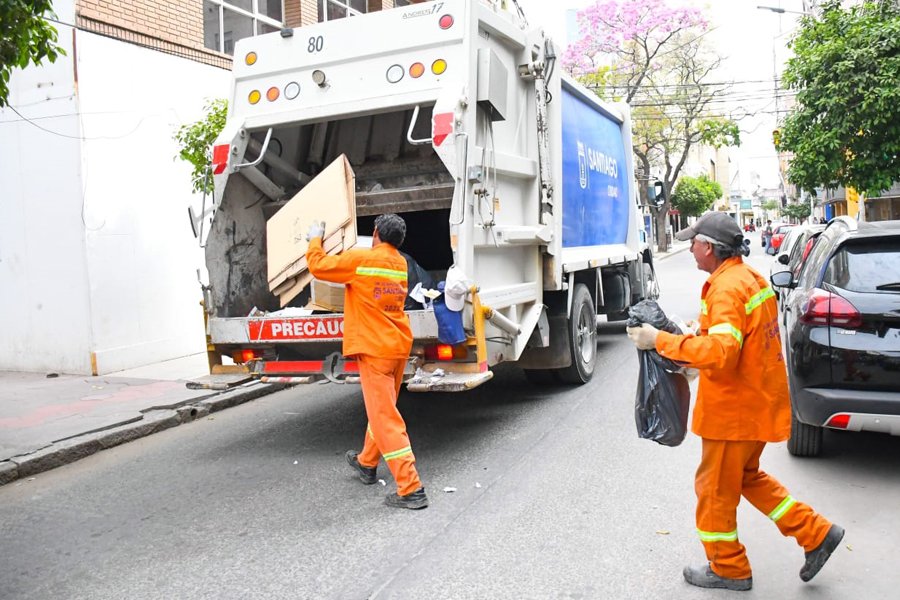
pixel 693 326
pixel 316 230
pixel 644 337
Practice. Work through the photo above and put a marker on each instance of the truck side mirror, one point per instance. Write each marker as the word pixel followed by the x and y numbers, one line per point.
pixel 659 193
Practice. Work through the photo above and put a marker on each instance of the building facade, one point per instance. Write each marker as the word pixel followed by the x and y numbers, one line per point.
pixel 98 262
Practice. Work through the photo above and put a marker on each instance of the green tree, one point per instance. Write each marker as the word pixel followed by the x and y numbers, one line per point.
pixel 693 196
pixel 25 38
pixel 771 205
pixel 197 138
pixel 796 211
pixel 845 128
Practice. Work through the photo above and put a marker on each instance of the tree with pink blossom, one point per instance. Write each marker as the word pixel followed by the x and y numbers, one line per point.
pixel 654 57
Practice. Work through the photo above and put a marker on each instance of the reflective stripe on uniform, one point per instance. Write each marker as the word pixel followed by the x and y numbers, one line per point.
pixel 757 299
pixel 703 308
pixel 379 272
pixel 727 329
pixel 782 508
pixel 369 431
pixel 397 453
pixel 717 536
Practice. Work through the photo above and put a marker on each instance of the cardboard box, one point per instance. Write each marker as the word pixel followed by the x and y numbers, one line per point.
pixel 329 197
pixel 328 295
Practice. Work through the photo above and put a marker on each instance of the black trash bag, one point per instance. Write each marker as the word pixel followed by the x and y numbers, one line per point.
pixel 663 395
pixel 662 402
pixel 648 311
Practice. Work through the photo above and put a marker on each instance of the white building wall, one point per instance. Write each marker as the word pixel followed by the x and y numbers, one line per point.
pixel 97 259
pixel 142 256
pixel 44 299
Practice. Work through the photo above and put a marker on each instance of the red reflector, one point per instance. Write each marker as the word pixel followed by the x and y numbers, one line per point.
pixel 825 309
pixel 838 421
pixel 220 158
pixel 442 127
pixel 446 22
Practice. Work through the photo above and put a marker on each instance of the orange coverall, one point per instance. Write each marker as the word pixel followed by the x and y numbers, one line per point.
pixel 742 403
pixel 377 334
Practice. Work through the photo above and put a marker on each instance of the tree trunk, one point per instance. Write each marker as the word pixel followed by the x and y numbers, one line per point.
pixel 661 222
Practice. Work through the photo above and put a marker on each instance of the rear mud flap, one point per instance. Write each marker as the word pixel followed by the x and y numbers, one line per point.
pixel 219 382
pixel 448 382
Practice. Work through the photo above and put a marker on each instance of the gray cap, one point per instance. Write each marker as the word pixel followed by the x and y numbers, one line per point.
pixel 715 225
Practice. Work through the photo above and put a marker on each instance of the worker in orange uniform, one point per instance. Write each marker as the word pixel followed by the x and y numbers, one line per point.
pixel 377 334
pixel 742 403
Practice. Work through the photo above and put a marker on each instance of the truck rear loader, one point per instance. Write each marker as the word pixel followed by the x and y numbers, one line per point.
pixel 456 116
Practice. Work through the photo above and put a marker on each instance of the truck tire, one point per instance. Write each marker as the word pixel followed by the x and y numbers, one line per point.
pixel 805 440
pixel 582 333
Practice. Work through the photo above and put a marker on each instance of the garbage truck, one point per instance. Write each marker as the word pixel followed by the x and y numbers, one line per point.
pixel 456 116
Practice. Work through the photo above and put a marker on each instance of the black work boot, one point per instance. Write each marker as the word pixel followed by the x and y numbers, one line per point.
pixel 817 558
pixel 366 474
pixel 415 501
pixel 703 576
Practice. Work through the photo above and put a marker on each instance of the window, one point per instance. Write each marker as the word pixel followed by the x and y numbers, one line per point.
pixel 865 266
pixel 227 21
pixel 330 10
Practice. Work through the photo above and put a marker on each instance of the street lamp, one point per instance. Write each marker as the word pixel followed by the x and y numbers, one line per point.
pixel 781 11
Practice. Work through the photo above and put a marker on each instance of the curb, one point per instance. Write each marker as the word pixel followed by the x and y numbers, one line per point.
pixel 75 448
pixel 670 253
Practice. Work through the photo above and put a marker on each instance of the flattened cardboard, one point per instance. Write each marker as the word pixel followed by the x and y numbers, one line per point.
pixel 329 197
pixel 327 295
pixel 331 245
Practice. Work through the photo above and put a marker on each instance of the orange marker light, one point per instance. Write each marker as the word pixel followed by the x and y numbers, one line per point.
pixel 250 59
pixel 439 66
pixel 445 352
pixel 254 97
pixel 272 94
pixel 416 70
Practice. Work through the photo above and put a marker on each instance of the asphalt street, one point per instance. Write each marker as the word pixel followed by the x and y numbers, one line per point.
pixel 555 497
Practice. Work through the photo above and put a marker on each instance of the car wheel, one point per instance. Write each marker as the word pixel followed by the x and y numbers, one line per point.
pixel 582 338
pixel 806 440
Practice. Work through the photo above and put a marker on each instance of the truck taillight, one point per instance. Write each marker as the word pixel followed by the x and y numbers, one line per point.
pixel 416 70
pixel 446 21
pixel 245 356
pixel 220 158
pixel 445 352
pixel 824 309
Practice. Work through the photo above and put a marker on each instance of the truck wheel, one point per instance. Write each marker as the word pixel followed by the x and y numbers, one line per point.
pixel 806 440
pixel 582 338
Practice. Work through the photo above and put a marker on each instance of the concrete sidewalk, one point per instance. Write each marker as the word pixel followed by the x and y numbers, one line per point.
pixel 48 420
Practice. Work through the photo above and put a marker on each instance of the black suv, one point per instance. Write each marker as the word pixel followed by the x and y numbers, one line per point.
pixel 842 333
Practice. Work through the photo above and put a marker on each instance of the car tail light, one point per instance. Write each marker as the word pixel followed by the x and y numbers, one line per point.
pixel 220 158
pixel 825 309
pixel 839 421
